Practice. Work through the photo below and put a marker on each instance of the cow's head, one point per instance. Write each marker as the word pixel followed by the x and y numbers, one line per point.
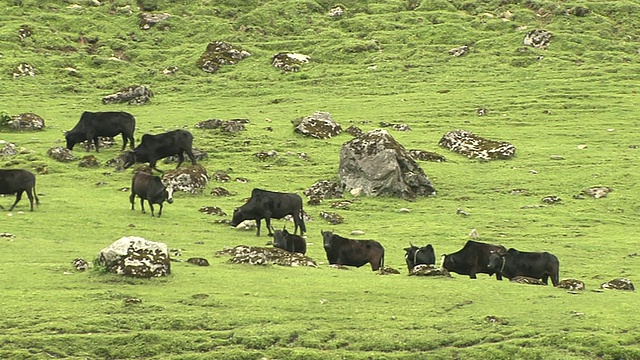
pixel 238 217
pixel 327 237
pixel 129 158
pixel 169 192
pixel 496 261
pixel 72 139
pixel 279 238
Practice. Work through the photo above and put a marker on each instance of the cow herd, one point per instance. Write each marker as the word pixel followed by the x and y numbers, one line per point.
pixel 475 257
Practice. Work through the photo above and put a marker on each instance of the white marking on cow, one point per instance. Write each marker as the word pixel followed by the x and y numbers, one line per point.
pixel 170 194
pixel 442 261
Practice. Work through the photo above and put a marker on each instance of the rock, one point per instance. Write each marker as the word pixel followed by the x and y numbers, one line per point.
pixel 387 270
pixel 219 191
pixel 357 232
pixel 198 261
pixel 332 218
pixel 60 154
pixel 221 176
pixel 247 225
pixel 325 189
pixel 354 131
pixel 339 267
pixel 80 264
pixel 264 155
pixel 26 121
pixel 539 39
pixel 89 161
pixel 9 149
pixel 475 147
pixel 320 125
pixel 212 210
pixel 289 61
pixel 495 320
pixel 427 156
pixel 618 284
pixel 571 284
pixel 551 199
pixel 556 157
pixel 254 255
pixel 209 124
pixel 343 204
pixel 148 20
pixel 233 126
pixel 429 270
pixel 24 69
pixel 380 166
pixel 597 192
pixel 103 143
pixel 198 154
pixel 404 211
pixel 6 235
pixel 191 179
pixel 527 280
pixel 136 257
pixel 170 70
pixel 134 95
pixel 482 111
pixel 336 11
pixel 459 51
pixel 219 53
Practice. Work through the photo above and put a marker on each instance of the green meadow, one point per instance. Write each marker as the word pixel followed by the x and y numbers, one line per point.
pixel 571 110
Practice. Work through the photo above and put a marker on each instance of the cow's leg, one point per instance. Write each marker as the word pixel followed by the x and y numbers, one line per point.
pixel 258 220
pixel 142 205
pixel 124 142
pixel 190 155
pixel 180 159
pixel 95 141
pixel 152 165
pixel 160 212
pixel 268 221
pixel 472 273
pixel 499 276
pixel 30 196
pixel 18 197
pixel 545 279
pixel 132 198
pixel 131 142
pixel 151 206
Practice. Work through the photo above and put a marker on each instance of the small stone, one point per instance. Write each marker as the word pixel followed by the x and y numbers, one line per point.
pixel 557 157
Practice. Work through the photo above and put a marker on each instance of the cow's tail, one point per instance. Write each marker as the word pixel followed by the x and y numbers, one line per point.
pixel 35 193
pixel 382 260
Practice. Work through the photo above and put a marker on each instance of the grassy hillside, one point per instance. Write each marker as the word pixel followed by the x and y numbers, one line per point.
pixel 380 61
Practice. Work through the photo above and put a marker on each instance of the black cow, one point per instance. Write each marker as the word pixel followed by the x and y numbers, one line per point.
pixel 155 147
pixel 473 258
pixel 343 251
pixel 290 242
pixel 17 181
pixel 419 255
pixel 95 124
pixel 537 265
pixel 268 205
pixel 150 188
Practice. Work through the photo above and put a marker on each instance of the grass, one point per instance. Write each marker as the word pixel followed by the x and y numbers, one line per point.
pixel 379 62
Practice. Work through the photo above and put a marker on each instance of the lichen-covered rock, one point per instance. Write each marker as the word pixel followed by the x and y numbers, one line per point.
pixel 8 149
pixel 220 191
pixel 26 121
pixel 378 165
pixel 597 192
pixel 80 264
pixel 209 124
pixel 619 284
pixel 136 257
pixel 220 53
pixel 212 210
pixel 255 255
pixel 332 218
pixel 191 179
pixel 527 280
pixel 429 270
pixel 24 69
pixel 427 156
pixel 387 270
pixel 538 38
pixel 354 131
pixel 459 51
pixel 103 142
pixel 60 154
pixel 198 154
pixel 320 125
pixel 264 155
pixel 89 161
pixel 148 20
pixel 475 147
pixel 221 176
pixel 325 189
pixel 134 95
pixel 198 261
pixel 289 61
pixel 571 284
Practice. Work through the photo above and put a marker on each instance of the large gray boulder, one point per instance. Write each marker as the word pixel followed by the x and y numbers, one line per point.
pixel 136 257
pixel 376 164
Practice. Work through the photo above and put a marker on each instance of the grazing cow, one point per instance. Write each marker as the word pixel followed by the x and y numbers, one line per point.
pixel 473 258
pixel 155 147
pixel 537 265
pixel 150 188
pixel 419 255
pixel 95 124
pixel 268 205
pixel 287 241
pixel 343 251
pixel 17 181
